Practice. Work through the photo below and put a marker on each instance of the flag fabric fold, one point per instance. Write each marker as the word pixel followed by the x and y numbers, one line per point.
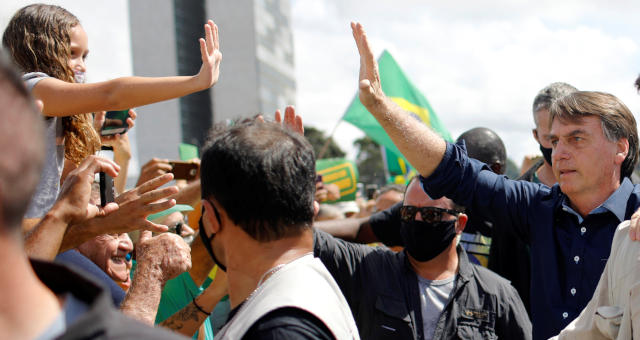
pixel 398 88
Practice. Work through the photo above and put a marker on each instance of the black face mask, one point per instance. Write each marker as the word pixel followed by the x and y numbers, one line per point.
pixel 546 153
pixel 207 242
pixel 424 241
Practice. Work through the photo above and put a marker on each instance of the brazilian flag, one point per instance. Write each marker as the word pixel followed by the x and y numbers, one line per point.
pixel 398 88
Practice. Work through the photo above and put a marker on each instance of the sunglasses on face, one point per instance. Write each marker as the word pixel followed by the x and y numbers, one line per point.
pixel 176 228
pixel 427 214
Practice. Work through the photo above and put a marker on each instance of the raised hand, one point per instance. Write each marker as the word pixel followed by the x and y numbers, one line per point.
pixel 370 93
pixel 72 204
pixel 160 259
pixel 152 169
pixel 211 55
pixel 167 254
pixel 72 208
pixel 140 202
pixel 291 120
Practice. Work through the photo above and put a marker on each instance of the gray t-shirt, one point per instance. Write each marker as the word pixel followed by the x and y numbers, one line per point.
pixel 49 185
pixel 434 295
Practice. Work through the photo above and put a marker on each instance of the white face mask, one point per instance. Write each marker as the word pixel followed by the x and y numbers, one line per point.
pixel 79 77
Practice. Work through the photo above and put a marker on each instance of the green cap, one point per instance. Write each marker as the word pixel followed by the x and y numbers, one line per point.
pixel 177 207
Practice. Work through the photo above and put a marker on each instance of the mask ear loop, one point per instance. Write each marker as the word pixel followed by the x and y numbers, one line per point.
pixel 207 240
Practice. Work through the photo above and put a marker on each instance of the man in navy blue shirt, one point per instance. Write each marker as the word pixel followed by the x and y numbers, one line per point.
pixel 569 226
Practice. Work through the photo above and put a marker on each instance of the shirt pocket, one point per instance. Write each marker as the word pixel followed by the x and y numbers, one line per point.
pixel 392 320
pixel 471 332
pixel 475 324
pixel 607 320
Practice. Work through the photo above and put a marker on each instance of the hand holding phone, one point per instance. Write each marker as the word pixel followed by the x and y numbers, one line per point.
pixel 184 170
pixel 107 194
pixel 115 122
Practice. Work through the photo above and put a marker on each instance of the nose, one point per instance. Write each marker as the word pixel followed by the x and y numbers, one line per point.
pixel 559 152
pixel 418 216
pixel 82 67
pixel 125 243
pixel 78 65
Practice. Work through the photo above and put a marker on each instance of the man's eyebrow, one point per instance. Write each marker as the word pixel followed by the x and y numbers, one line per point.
pixel 576 132
pixel 570 134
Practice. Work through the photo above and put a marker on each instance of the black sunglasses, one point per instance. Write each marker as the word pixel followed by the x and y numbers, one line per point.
pixel 176 228
pixel 428 214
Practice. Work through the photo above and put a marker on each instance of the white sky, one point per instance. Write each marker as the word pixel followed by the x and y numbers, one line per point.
pixel 479 63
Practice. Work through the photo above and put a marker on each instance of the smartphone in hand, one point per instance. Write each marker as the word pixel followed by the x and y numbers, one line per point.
pixel 184 170
pixel 107 193
pixel 115 122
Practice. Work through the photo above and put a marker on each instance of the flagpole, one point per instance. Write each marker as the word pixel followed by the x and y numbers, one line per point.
pixel 385 162
pixel 326 143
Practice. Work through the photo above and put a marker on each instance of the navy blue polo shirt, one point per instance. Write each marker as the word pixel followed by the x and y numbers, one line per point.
pixel 568 252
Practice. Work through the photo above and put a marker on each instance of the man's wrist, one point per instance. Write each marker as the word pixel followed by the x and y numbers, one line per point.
pixel 209 298
pixel 150 272
pixel 380 105
pixel 59 214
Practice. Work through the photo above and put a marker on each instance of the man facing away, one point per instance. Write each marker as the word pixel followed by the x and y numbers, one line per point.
pixel 569 226
pixel 258 183
pixel 428 291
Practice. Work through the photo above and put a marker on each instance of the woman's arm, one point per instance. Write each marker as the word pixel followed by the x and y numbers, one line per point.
pixel 64 99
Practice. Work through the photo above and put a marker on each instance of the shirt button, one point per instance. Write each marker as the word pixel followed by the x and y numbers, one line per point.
pixel 583 230
pixel 576 259
pixel 573 291
pixel 565 315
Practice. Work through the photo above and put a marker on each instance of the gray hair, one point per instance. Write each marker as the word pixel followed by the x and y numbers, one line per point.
pixel 551 93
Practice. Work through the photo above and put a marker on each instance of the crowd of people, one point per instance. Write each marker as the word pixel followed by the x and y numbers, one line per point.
pixel 243 249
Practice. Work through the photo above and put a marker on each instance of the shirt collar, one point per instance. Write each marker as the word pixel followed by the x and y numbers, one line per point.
pixel 464 266
pixel 616 203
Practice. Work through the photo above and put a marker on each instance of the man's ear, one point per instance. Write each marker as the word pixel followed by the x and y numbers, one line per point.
pixel 622 150
pixel 535 135
pixel 461 223
pixel 316 209
pixel 209 220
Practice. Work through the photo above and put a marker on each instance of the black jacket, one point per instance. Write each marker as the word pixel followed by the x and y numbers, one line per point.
pixel 382 291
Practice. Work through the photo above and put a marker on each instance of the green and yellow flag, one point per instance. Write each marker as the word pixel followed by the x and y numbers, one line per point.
pixel 396 86
pixel 340 172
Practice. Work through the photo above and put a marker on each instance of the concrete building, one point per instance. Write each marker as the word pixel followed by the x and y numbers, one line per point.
pixel 257 71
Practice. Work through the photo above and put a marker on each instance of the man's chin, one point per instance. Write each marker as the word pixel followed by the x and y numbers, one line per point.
pixel 567 187
pixel 125 285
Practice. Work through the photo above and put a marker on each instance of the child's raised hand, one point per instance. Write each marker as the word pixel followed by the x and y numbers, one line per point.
pixel 211 55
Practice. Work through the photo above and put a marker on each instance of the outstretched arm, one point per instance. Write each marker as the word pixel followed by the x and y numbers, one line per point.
pixel 349 229
pixel 63 99
pixel 422 147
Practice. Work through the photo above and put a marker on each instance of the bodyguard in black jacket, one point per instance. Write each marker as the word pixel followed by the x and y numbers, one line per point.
pixel 429 290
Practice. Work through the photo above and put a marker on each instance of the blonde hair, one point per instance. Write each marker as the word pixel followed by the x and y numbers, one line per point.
pixel 37 38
